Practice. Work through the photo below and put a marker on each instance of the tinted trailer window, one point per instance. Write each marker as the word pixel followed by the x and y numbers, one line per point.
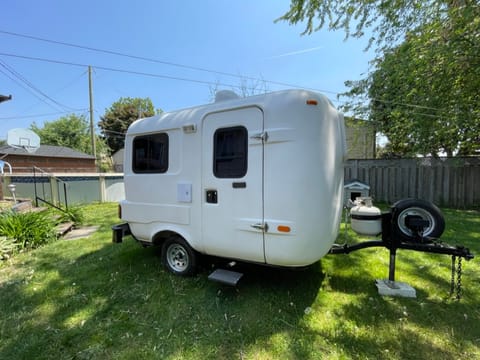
pixel 150 153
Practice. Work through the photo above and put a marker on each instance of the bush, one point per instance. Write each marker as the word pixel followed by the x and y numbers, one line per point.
pixel 27 230
pixel 73 214
pixel 7 247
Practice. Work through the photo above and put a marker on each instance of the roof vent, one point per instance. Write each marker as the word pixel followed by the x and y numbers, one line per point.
pixel 224 95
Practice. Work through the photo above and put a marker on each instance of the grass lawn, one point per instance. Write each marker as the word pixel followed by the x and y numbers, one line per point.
pixel 91 299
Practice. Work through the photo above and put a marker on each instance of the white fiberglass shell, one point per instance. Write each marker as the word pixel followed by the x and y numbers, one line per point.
pixel 284 211
pixel 303 178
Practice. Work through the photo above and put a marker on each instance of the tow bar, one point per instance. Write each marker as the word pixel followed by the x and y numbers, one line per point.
pixel 392 241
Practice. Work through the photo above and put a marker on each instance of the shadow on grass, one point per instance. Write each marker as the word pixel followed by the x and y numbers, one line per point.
pixel 418 324
pixel 406 329
pixel 118 302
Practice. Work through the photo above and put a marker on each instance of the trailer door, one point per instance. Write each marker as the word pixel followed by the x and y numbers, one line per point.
pixel 232 183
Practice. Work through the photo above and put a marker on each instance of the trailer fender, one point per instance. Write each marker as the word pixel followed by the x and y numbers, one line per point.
pixel 160 235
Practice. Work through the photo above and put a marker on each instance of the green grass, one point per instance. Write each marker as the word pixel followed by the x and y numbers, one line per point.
pixel 91 299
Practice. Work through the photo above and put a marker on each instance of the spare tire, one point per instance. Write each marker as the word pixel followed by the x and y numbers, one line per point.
pixel 416 220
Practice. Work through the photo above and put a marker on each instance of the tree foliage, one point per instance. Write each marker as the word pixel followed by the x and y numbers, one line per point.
pixel 423 90
pixel 114 123
pixel 387 20
pixel 71 131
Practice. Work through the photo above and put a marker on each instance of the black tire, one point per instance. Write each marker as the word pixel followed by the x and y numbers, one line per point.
pixel 178 257
pixel 404 211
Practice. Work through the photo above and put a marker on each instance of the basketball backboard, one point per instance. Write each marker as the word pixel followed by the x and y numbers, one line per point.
pixel 23 139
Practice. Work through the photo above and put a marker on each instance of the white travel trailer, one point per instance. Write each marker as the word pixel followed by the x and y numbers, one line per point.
pixel 257 179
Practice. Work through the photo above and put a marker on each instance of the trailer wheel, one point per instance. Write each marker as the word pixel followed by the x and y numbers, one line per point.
pixel 178 257
pixel 409 212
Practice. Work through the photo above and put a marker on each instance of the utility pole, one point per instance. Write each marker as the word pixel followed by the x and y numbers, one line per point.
pixel 92 127
pixel 2 99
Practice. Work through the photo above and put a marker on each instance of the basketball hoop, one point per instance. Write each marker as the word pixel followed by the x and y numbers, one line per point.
pixel 30 149
pixel 23 139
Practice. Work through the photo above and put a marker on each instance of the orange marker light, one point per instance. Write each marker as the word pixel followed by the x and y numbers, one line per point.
pixel 283 228
pixel 312 102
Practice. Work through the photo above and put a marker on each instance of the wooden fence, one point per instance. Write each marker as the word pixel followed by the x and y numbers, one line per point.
pixel 449 182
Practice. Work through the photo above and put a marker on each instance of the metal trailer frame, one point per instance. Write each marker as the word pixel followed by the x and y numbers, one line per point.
pixel 392 242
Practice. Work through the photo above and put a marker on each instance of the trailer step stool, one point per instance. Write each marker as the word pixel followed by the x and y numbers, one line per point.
pixel 225 276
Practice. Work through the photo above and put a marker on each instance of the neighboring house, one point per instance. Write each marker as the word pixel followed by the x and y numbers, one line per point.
pixel 361 137
pixel 49 158
pixel 117 159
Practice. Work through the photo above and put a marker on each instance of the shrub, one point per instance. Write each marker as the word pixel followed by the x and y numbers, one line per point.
pixel 27 230
pixel 7 247
pixel 73 214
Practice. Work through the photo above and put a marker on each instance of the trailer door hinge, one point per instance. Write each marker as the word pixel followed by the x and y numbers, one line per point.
pixel 261 136
pixel 260 226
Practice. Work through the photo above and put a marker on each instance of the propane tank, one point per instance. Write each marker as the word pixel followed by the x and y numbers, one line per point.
pixel 366 219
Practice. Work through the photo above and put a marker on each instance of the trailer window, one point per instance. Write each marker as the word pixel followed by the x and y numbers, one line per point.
pixel 230 152
pixel 150 153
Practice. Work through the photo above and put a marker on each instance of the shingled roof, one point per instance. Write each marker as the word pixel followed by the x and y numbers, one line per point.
pixel 47 151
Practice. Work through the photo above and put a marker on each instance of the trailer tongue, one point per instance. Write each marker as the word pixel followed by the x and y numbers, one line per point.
pixel 408 226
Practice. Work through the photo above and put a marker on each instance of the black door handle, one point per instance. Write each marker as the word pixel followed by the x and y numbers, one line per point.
pixel 239 185
pixel 212 196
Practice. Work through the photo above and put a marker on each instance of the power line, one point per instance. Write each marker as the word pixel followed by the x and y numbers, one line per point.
pixel 111 52
pixel 114 134
pixel 25 87
pixel 31 87
pixel 196 68
pixel 134 72
pixel 196 80
pixel 140 73
pixel 39 115
pixel 74 80
pixel 114 69
pixel 117 53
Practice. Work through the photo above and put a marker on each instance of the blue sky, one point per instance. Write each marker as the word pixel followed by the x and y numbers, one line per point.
pixel 196 44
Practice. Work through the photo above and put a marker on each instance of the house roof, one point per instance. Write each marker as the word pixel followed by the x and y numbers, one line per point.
pixel 47 151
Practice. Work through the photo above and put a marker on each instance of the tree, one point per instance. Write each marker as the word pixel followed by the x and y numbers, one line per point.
pixel 114 123
pixel 70 131
pixel 246 87
pixel 423 90
pixel 388 20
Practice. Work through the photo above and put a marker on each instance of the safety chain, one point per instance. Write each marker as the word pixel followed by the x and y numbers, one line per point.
pixel 458 272
pixel 459 278
pixel 452 279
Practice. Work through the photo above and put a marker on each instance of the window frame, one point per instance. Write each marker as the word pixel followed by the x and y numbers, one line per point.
pixel 231 173
pixel 156 138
